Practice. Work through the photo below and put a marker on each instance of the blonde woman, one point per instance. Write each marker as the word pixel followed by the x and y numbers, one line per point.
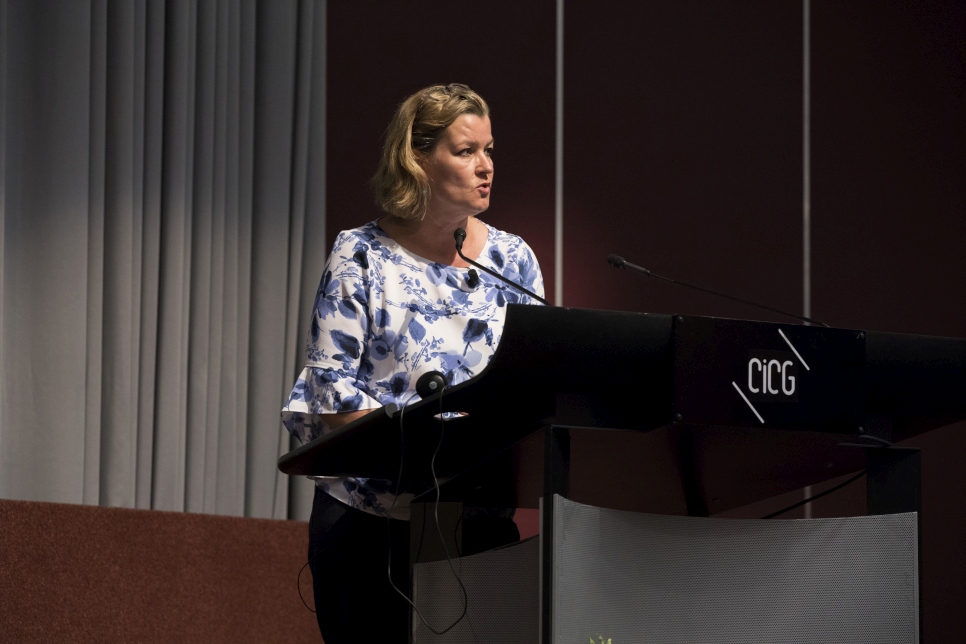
pixel 396 301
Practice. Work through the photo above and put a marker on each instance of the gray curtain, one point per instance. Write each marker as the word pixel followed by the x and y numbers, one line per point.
pixel 162 228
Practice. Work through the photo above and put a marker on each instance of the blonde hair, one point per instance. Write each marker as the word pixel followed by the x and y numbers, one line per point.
pixel 401 186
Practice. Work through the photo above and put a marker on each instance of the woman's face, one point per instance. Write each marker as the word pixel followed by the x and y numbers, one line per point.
pixel 460 168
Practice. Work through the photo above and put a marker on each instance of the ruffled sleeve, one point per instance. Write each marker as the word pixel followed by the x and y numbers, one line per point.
pixel 338 370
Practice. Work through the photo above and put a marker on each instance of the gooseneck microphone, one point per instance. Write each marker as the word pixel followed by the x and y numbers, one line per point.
pixel 460 237
pixel 619 262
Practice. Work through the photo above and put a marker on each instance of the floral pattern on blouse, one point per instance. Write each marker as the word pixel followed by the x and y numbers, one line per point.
pixel 384 316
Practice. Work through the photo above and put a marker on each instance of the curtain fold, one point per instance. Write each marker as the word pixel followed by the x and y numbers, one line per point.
pixel 47 223
pixel 162 225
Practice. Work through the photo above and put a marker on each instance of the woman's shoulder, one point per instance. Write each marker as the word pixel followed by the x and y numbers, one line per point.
pixel 368 239
pixel 506 242
pixel 366 233
pixel 370 247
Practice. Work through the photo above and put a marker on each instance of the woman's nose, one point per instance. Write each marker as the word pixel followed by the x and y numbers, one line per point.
pixel 485 164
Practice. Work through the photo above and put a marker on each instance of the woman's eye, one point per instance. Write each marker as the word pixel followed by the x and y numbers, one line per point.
pixel 489 152
pixel 465 153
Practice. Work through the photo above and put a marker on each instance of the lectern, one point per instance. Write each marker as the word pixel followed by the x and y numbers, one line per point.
pixel 617 408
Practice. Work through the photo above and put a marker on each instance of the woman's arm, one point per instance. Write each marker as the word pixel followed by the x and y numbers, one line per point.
pixel 335 421
pixel 332 389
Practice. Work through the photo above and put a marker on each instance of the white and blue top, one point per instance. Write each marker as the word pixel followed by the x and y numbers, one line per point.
pixel 384 316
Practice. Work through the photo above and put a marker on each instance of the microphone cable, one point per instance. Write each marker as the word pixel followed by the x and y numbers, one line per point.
pixel 816 496
pixel 298 578
pixel 883 443
pixel 439 530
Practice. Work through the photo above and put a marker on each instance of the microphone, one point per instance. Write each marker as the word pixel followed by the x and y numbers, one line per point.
pixel 619 262
pixel 460 236
pixel 473 278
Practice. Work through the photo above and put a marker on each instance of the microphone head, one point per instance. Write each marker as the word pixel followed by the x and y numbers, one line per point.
pixel 473 279
pixel 431 382
pixel 460 236
pixel 616 261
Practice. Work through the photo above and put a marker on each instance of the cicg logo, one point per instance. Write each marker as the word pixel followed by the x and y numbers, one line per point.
pixel 772 376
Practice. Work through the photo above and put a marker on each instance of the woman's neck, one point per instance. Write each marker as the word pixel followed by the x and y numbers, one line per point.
pixel 432 237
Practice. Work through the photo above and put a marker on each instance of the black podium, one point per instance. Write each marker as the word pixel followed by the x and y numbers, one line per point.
pixel 615 409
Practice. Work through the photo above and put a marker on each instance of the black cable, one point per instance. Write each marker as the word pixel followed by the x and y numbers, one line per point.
pixel 298 584
pixel 422 531
pixel 298 579
pixel 817 496
pixel 392 506
pixel 395 496
pixel 432 467
pixel 439 531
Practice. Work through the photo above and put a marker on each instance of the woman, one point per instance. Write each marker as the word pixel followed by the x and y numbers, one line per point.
pixel 395 302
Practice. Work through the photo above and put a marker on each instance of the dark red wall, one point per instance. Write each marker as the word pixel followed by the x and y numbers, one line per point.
pixel 889 165
pixel 683 148
pixel 889 205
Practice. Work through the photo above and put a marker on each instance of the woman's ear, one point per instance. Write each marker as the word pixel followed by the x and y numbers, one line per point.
pixel 422 158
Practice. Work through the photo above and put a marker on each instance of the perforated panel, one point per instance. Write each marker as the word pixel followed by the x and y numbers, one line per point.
pixel 649 578
pixel 502 588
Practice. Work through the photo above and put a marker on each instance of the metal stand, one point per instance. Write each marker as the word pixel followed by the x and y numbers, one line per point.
pixel 556 480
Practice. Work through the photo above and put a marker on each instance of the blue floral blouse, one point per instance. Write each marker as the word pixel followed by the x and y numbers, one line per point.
pixel 384 316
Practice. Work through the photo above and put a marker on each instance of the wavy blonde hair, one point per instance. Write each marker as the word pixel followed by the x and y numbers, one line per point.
pixel 401 185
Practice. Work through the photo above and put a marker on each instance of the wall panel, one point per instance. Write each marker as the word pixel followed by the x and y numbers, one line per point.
pixel 889 213
pixel 683 153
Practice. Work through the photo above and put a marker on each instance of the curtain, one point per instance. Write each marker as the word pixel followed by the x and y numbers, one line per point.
pixel 162 225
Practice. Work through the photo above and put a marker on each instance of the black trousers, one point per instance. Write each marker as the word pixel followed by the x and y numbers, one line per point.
pixel 349 559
